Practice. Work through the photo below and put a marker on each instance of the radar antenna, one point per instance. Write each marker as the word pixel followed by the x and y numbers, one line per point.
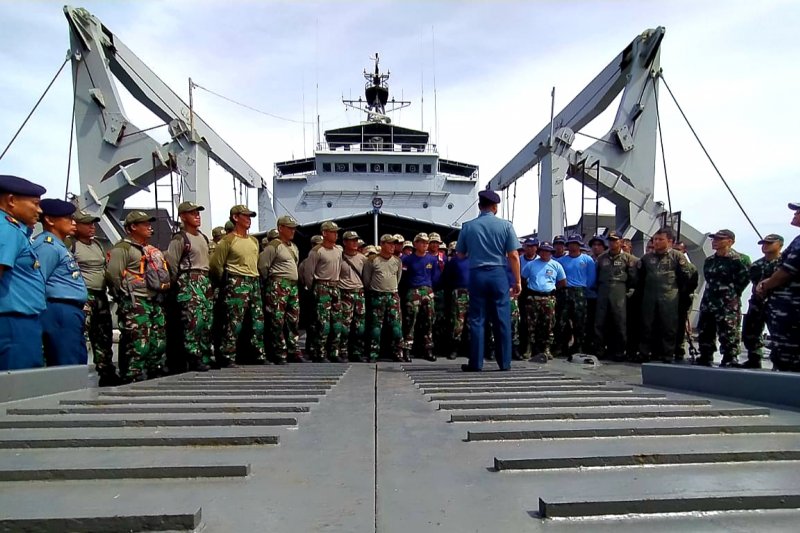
pixel 376 93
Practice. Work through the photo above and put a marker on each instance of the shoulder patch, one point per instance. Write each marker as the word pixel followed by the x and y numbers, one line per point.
pixel 12 220
pixel 48 239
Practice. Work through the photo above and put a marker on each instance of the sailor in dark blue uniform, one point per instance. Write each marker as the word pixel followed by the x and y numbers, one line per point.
pixel 65 291
pixel 491 244
pixel 21 281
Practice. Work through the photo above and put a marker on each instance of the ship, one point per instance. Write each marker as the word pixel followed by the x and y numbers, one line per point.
pixel 375 177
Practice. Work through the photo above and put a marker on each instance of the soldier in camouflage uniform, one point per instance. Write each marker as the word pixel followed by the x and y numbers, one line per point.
pixel 440 323
pixel 234 267
pixel 581 272
pixel 91 259
pixel 685 301
pixel 661 274
pixel 616 280
pixel 322 275
pixel 348 343
pixel 381 277
pixel 188 259
pixel 277 265
pixel 543 276
pixel 783 304
pixel 455 279
pixel 756 316
pixel 143 342
pixel 726 277
pixel 422 271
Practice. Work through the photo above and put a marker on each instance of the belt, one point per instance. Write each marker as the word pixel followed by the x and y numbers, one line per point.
pixel 537 293
pixel 278 278
pixel 193 271
pixel 575 288
pixel 66 301
pixel 357 289
pixel 327 282
pixel 97 291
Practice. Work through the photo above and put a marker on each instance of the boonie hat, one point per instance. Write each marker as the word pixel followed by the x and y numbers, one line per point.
pixel 421 237
pixel 546 247
pixel 559 239
pixel 434 237
pixel 575 238
pixel 408 244
pixel 598 238
pixel 388 238
pixel 242 210
pixel 188 207
pixel 399 238
pixel 530 242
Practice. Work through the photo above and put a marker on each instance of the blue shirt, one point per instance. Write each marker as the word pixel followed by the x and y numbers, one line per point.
pixel 524 261
pixel 22 284
pixel 61 273
pixel 421 271
pixel 580 270
pixel 487 240
pixel 542 276
pixel 456 273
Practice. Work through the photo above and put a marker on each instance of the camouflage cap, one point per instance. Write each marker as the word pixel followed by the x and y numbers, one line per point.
pixel 772 237
pixel 272 234
pixel 434 237
pixel 613 236
pixel 452 245
pixel 329 225
pixel 408 244
pixel 361 242
pixel 370 250
pixel 82 217
pixel 135 217
pixel 188 207
pixel 723 234
pixel 219 231
pixel 287 221
pixel 399 238
pixel 316 239
pixel 228 227
pixel 350 235
pixel 242 210
pixel 421 237
pixel 388 238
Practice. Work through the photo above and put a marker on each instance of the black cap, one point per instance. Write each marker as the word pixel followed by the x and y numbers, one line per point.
pixel 20 186
pixel 53 207
pixel 489 196
pixel 723 234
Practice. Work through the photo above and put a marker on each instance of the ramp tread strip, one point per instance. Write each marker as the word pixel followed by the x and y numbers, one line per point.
pixel 630 432
pixel 105 524
pixel 154 410
pixel 577 403
pixel 132 472
pixel 145 422
pixel 619 415
pixel 111 442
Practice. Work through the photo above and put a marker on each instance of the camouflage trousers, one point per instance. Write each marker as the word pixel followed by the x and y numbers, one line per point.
pixel 514 322
pixel 572 321
pixel 784 330
pixel 458 316
pixel 722 322
pixel 753 328
pixel 541 321
pixel 243 320
pixel 441 324
pixel 385 310
pixel 327 321
pixel 282 302
pixel 195 306
pixel 98 329
pixel 349 336
pixel 418 318
pixel 143 338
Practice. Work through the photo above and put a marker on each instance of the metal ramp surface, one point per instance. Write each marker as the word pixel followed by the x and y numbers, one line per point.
pixel 396 448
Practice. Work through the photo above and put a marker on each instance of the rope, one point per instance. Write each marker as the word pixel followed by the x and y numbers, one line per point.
pixel 661 141
pixel 71 139
pixel 514 203
pixel 39 101
pixel 465 212
pixel 251 108
pixel 735 199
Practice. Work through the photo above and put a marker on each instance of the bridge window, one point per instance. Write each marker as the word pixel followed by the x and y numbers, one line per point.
pixel 412 168
pixel 395 168
pixel 359 167
pixel 326 167
pixel 427 169
pixel 376 167
pixel 342 167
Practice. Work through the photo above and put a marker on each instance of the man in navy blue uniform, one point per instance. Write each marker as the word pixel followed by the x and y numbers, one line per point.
pixel 65 291
pixel 21 281
pixel 490 243
pixel 422 273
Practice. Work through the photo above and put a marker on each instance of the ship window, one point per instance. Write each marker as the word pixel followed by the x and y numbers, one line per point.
pixel 359 167
pixel 376 167
pixel 426 169
pixel 326 167
pixel 342 167
pixel 412 168
pixel 395 168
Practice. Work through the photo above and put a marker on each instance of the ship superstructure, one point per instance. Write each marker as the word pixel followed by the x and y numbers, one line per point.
pixel 376 177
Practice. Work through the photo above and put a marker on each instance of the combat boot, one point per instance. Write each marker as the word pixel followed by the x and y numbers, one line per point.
pixel 515 355
pixel 406 355
pixel 452 355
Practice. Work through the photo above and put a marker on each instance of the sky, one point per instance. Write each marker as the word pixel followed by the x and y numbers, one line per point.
pixel 731 64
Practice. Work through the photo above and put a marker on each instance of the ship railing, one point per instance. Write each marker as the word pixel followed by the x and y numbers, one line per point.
pixel 377 146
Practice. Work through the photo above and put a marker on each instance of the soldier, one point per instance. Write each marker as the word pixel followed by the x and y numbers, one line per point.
pixel 685 300
pixel 234 267
pixel 559 250
pixel 277 265
pixel 91 259
pixel 140 315
pixel 597 246
pixel 515 317
pixel 783 306
pixel 381 278
pixel 216 236
pixel 755 319
pixel 662 274
pixel 307 317
pixel 63 320
pixel 616 280
pixel 581 272
pixel 269 237
pixel 720 309
pixel 21 281
pixel 455 280
pixel 322 275
pixel 423 274
pixel 370 251
pixel 530 248
pixel 348 343
pixel 543 275
pixel 188 259
pixel 439 295
pixel 627 246
pixel 399 245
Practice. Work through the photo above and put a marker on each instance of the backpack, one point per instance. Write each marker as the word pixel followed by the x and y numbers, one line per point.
pixel 152 272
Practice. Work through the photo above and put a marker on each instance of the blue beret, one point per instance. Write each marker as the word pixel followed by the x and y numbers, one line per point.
pixel 531 242
pixel 20 186
pixel 489 196
pixel 52 207
pixel 575 238
pixel 546 247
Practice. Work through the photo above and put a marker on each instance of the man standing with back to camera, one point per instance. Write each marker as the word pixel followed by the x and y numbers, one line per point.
pixel 491 244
